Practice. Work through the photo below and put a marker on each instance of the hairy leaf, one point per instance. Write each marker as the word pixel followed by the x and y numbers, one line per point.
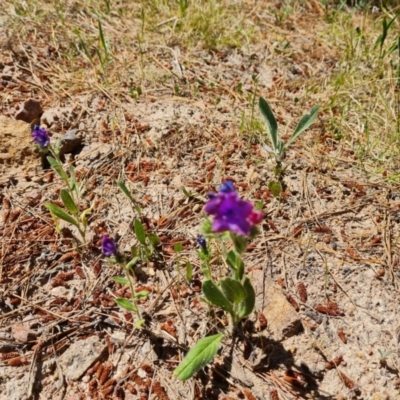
pixel 200 355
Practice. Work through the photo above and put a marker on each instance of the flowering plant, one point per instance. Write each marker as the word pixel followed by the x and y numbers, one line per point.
pixel 234 219
pixel 69 196
pixel 109 249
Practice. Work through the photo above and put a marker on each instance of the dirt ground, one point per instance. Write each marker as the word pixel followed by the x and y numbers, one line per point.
pixel 329 245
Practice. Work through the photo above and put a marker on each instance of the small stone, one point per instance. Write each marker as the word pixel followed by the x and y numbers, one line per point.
pixel 30 111
pixel 197 207
pixel 80 356
pixel 283 320
pixel 292 349
pixel 17 150
pixel 22 333
pixel 70 141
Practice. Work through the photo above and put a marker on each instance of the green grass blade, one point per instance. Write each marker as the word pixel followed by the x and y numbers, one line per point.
pixel 189 271
pixel 102 40
pixel 200 355
pixel 304 124
pixel 123 187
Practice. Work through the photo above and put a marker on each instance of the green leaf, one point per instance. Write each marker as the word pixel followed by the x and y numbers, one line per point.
pixel 72 177
pixel 68 202
pixel 153 239
pixel 134 251
pixel 185 192
pixel 141 294
pixel 275 188
pixel 85 213
pixel 57 146
pixel 200 355
pixel 74 185
pixel 178 247
pixel 126 304
pixel 189 271
pixel 58 168
pixel 304 124
pixel 140 232
pixel 233 290
pixel 239 242
pixel 139 324
pixel 234 260
pixel 60 213
pixel 259 205
pixel 247 306
pixel 125 190
pixel 120 279
pixel 132 262
pixel 271 122
pixel 215 296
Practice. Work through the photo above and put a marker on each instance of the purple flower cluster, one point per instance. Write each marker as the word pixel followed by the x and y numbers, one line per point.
pixel 40 136
pixel 108 246
pixel 230 212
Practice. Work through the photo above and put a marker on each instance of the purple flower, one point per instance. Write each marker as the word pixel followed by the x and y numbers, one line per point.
pixel 201 241
pixel 227 187
pixel 40 136
pixel 231 213
pixel 108 246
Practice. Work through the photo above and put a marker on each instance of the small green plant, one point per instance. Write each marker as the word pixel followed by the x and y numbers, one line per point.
pixel 72 194
pixel 382 37
pixel 148 242
pixel 103 50
pixel 234 220
pixel 143 252
pixel 279 147
pixel 109 249
pixel 181 261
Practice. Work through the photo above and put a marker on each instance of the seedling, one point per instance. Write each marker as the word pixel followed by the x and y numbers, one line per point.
pixel 279 147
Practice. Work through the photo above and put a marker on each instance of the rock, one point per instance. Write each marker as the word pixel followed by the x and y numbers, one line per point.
pixel 282 318
pixel 70 141
pixel 58 117
pixel 283 321
pixel 30 111
pixel 17 150
pixel 80 356
pixel 22 333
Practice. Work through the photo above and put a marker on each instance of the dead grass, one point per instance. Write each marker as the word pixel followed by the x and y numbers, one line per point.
pixel 164 93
